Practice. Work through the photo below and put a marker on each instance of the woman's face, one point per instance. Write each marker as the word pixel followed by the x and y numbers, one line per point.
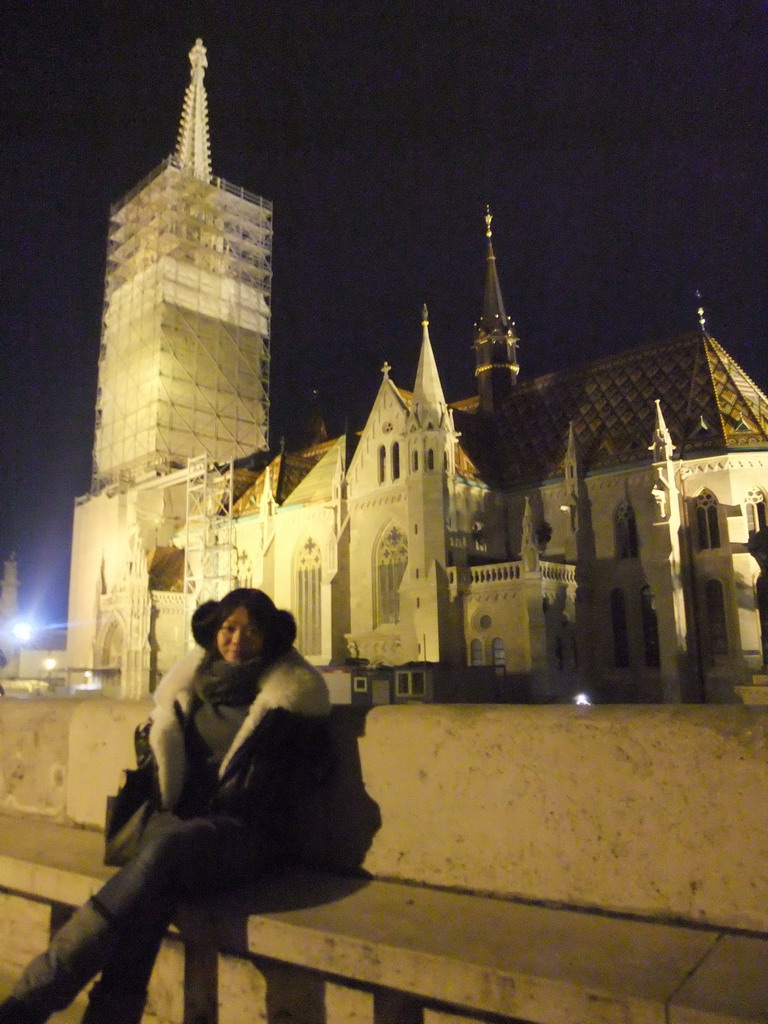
pixel 239 638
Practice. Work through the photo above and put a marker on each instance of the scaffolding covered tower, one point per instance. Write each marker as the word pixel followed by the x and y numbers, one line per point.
pixel 184 361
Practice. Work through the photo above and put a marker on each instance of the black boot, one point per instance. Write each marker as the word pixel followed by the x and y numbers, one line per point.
pixel 12 1011
pixel 112 1006
pixel 52 980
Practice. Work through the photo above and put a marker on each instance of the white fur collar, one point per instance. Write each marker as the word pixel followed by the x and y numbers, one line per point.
pixel 290 683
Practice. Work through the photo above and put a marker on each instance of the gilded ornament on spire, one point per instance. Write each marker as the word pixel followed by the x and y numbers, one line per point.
pixel 488 219
pixel 194 146
pixel 702 317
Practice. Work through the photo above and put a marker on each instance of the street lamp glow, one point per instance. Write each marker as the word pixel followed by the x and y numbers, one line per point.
pixel 22 631
pixel 49 664
pixel 582 698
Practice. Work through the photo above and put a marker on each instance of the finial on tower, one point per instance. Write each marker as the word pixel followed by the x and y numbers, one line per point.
pixel 488 219
pixel 424 316
pixel 702 317
pixel 194 146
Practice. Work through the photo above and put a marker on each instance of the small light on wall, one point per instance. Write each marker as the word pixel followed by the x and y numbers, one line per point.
pixel 49 664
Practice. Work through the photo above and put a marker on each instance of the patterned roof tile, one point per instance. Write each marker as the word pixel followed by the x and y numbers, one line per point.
pixel 709 404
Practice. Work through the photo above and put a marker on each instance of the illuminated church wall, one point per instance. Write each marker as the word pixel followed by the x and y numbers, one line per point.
pixel 734 656
pixel 114 621
pixel 331 544
pixel 99 554
pixel 378 524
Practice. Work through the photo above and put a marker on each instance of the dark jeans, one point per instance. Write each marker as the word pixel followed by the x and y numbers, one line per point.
pixel 178 860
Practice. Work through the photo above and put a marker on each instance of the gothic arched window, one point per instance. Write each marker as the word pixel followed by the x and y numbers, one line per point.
pixel 626 531
pixel 307 583
pixel 476 652
pixel 498 654
pixel 707 521
pixel 619 624
pixel 755 508
pixel 391 560
pixel 382 463
pixel 717 626
pixel 430 459
pixel 396 461
pixel 414 460
pixel 559 658
pixel 650 628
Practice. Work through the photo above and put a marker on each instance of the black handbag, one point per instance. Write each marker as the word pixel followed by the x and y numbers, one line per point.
pixel 132 806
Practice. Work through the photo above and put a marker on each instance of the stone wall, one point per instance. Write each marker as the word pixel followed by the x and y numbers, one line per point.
pixel 660 811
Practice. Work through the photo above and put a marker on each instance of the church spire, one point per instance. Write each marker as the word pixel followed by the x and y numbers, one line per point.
pixel 494 316
pixel 495 339
pixel 428 397
pixel 194 145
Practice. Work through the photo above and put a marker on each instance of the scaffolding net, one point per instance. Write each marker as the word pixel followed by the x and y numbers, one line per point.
pixel 208 549
pixel 184 360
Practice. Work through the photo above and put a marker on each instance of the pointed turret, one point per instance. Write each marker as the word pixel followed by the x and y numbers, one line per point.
pixel 428 398
pixel 661 445
pixel 571 474
pixel 664 490
pixel 571 460
pixel 267 501
pixel 495 339
pixel 314 430
pixel 194 146
pixel 9 588
pixel 529 552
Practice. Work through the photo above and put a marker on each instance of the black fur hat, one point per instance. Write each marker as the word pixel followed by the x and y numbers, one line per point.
pixel 205 623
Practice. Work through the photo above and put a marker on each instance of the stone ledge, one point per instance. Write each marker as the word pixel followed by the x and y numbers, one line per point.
pixel 757 693
pixel 51 862
pixel 476 953
pixel 516 960
pixel 730 984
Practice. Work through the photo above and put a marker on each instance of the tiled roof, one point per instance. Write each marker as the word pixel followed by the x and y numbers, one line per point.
pixel 286 471
pixel 708 402
pixel 242 479
pixel 317 485
pixel 166 569
pixel 249 500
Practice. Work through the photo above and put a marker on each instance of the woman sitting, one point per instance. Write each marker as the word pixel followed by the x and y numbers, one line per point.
pixel 237 736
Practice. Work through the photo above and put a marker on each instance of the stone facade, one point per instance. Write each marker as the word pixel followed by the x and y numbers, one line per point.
pixel 401 553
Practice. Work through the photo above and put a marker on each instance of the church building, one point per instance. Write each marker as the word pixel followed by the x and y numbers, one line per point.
pixel 583 531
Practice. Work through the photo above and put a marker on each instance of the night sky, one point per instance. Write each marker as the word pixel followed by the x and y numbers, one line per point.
pixel 622 146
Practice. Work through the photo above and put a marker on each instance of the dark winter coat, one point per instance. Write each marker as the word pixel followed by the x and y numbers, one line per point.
pixel 281 749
